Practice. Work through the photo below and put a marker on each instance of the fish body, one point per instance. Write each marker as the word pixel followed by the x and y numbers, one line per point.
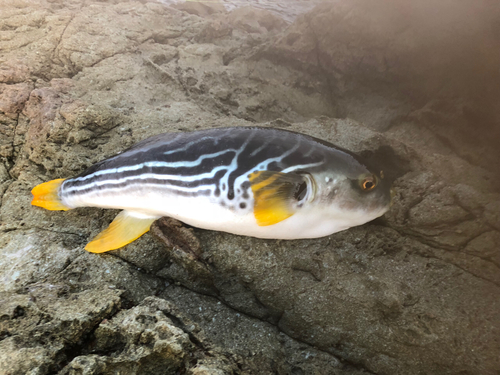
pixel 260 182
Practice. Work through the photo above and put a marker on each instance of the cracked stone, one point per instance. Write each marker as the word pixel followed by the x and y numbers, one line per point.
pixel 415 291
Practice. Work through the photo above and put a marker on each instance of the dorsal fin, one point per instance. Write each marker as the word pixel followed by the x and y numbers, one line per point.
pixel 273 194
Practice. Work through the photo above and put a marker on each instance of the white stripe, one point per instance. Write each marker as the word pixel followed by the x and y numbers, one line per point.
pixel 302 166
pixel 122 190
pixel 146 176
pixel 187 145
pixel 265 163
pixel 263 166
pixel 154 164
pixel 265 144
pixel 234 164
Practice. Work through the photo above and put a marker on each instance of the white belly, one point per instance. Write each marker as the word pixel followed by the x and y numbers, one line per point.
pixel 206 213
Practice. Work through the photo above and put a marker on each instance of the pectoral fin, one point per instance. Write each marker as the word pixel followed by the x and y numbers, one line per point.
pixel 124 229
pixel 273 195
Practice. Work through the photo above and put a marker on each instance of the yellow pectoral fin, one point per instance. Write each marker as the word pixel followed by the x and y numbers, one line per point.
pixel 124 229
pixel 46 195
pixel 273 193
pixel 269 208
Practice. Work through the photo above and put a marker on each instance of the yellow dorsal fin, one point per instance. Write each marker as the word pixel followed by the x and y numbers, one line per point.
pixel 124 229
pixel 46 195
pixel 273 195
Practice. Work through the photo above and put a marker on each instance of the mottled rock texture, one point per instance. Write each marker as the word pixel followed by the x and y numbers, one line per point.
pixel 413 88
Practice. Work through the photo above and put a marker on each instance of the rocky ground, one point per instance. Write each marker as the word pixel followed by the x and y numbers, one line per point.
pixel 412 87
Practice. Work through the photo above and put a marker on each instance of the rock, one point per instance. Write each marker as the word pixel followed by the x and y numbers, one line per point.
pixel 254 20
pixel 12 100
pixel 40 328
pixel 16 73
pixel 389 61
pixel 13 97
pixel 22 262
pixel 201 9
pixel 416 291
pixel 260 346
pixel 145 340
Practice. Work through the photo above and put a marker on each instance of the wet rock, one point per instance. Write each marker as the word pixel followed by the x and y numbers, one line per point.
pixel 358 272
pixel 415 291
pixel 261 347
pixel 141 340
pixel 214 30
pixel 388 61
pixel 40 328
pixel 182 252
pixel 22 263
pixel 254 20
pixel 200 9
pixel 13 97
pixel 16 73
pixel 151 338
pixel 12 100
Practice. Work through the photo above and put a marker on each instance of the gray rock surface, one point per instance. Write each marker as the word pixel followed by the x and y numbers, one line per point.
pixel 398 65
pixel 412 89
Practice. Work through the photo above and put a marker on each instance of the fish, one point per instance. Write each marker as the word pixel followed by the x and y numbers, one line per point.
pixel 252 181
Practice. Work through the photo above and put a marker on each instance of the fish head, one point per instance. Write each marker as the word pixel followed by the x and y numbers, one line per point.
pixel 352 197
pixel 316 202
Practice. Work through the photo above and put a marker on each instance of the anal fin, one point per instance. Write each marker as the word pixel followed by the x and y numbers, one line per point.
pixel 124 229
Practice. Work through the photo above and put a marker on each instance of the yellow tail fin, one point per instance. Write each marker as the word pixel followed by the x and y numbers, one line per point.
pixel 46 196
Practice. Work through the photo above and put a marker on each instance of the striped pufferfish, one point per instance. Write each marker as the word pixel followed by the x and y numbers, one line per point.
pixel 260 182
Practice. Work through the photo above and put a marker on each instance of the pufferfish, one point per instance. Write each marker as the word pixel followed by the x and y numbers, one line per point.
pixel 260 182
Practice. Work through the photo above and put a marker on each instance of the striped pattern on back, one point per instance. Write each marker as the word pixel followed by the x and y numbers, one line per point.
pixel 213 162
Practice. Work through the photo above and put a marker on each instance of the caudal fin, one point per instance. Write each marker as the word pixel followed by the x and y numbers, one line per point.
pixel 46 195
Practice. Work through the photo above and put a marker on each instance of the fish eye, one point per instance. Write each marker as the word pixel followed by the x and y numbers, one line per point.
pixel 368 183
